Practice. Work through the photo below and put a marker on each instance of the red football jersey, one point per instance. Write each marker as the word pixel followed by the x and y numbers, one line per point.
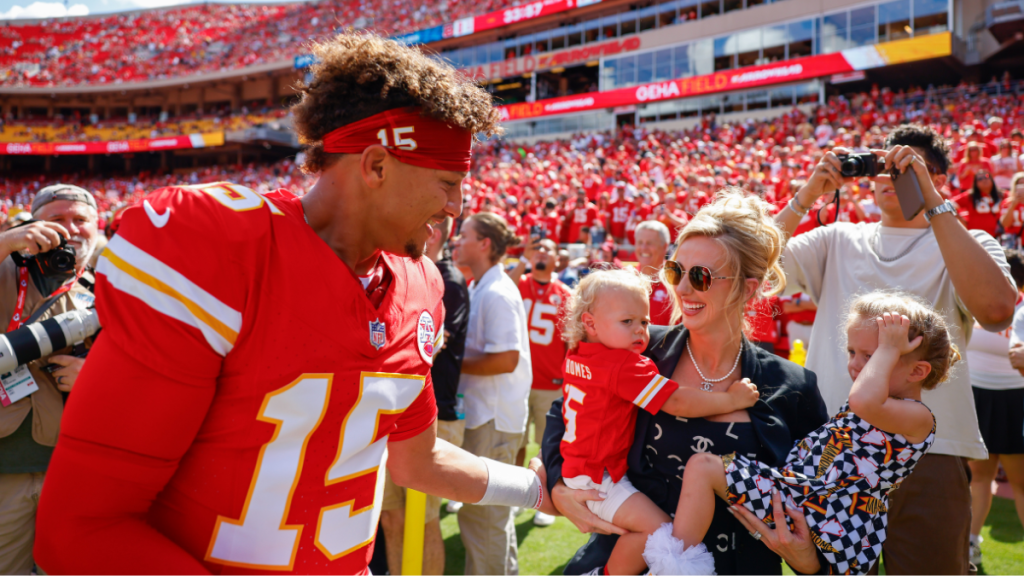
pixel 1018 215
pixel 981 216
pixel 581 217
pixel 620 214
pixel 661 304
pixel 603 387
pixel 279 386
pixel 545 306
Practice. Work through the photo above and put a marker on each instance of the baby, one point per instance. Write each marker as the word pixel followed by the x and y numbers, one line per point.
pixel 605 380
pixel 841 474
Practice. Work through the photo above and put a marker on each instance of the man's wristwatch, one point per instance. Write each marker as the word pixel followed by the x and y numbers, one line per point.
pixel 946 206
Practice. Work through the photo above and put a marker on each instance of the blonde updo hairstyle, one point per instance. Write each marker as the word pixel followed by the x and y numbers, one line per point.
pixel 743 225
pixel 584 297
pixel 936 348
pixel 495 229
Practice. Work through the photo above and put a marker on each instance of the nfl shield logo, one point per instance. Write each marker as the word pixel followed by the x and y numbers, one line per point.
pixel 377 334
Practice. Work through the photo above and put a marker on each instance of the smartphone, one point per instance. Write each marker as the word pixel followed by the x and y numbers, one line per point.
pixel 908 192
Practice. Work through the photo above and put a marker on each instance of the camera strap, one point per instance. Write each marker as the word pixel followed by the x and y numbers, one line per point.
pixel 19 306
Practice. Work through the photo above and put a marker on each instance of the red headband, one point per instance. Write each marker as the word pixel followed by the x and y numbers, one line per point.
pixel 413 139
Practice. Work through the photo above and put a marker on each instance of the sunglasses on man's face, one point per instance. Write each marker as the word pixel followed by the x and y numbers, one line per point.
pixel 700 276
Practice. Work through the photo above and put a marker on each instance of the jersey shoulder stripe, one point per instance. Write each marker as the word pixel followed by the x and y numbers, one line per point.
pixel 135 272
pixel 650 391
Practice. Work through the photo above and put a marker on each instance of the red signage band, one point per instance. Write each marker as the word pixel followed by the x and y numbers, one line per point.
pixel 113 147
pixel 749 77
pixel 527 64
pixel 411 137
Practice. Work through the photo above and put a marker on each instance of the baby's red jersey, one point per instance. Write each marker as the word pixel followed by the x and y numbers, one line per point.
pixel 235 410
pixel 603 388
pixel 545 310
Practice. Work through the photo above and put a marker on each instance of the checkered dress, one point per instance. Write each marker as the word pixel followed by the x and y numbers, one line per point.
pixel 841 474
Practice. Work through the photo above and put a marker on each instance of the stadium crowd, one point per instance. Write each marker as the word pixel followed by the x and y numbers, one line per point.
pixel 631 195
pixel 187 40
pixel 78 129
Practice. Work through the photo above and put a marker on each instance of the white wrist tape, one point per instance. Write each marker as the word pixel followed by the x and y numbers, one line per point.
pixel 509 485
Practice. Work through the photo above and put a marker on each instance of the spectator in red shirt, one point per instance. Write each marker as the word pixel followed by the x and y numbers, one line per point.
pixel 639 212
pixel 980 207
pixel 652 240
pixel 1012 209
pixel 762 316
pixel 619 211
pixel 583 216
pixel 973 161
pixel 550 220
pixel 671 216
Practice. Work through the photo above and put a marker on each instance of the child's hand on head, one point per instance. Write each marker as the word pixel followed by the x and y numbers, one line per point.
pixel 893 330
pixel 744 393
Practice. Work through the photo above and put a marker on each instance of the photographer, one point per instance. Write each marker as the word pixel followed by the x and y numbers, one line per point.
pixel 29 426
pixel 964 273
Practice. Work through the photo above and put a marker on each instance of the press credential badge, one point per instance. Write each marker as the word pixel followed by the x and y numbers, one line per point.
pixel 16 385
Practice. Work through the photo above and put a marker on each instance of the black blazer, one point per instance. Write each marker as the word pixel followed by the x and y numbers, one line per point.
pixel 790 407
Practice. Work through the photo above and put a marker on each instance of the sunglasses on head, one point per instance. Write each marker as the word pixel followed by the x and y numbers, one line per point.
pixel 700 276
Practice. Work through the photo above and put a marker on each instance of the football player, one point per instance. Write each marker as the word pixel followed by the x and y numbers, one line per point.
pixel 264 356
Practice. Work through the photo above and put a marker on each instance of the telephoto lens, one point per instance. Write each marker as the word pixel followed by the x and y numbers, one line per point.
pixel 40 339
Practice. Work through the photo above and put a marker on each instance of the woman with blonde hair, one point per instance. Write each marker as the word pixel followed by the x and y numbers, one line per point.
pixel 727 255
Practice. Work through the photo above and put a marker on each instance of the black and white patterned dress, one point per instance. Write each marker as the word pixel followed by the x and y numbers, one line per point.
pixel 841 475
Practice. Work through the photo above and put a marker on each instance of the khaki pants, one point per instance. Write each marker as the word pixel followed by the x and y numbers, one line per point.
pixel 540 403
pixel 488 532
pixel 930 519
pixel 19 498
pixel 394 495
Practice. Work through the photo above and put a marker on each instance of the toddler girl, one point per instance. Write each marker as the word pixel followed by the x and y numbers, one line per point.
pixel 840 474
pixel 605 380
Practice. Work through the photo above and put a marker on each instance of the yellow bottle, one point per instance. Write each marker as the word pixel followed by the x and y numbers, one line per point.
pixel 798 353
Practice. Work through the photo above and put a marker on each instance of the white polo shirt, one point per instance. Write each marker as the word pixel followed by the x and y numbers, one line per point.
pixel 497 323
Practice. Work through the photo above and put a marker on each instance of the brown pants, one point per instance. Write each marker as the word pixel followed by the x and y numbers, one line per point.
pixel 19 498
pixel 930 519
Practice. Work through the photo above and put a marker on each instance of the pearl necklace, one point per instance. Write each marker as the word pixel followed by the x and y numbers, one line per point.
pixel 708 384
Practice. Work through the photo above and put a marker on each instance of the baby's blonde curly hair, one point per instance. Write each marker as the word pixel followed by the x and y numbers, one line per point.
pixel 584 297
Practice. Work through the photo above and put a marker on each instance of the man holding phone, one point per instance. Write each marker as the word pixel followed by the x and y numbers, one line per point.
pixel 964 273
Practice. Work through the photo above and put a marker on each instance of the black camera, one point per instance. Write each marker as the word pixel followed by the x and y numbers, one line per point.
pixel 859 165
pixel 538 232
pixel 60 260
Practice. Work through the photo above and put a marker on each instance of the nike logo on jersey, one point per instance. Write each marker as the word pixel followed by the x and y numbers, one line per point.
pixel 158 220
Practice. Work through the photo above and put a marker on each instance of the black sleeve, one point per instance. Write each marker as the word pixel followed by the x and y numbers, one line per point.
pixel 551 444
pixel 812 412
pixel 448 362
pixel 456 319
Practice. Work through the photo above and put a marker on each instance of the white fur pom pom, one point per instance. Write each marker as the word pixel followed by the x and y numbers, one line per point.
pixel 665 555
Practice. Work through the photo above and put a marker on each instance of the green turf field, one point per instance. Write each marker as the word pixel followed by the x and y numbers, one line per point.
pixel 547 550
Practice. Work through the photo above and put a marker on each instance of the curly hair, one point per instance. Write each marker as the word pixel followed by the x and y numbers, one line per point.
pixel 925 137
pixel 357 75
